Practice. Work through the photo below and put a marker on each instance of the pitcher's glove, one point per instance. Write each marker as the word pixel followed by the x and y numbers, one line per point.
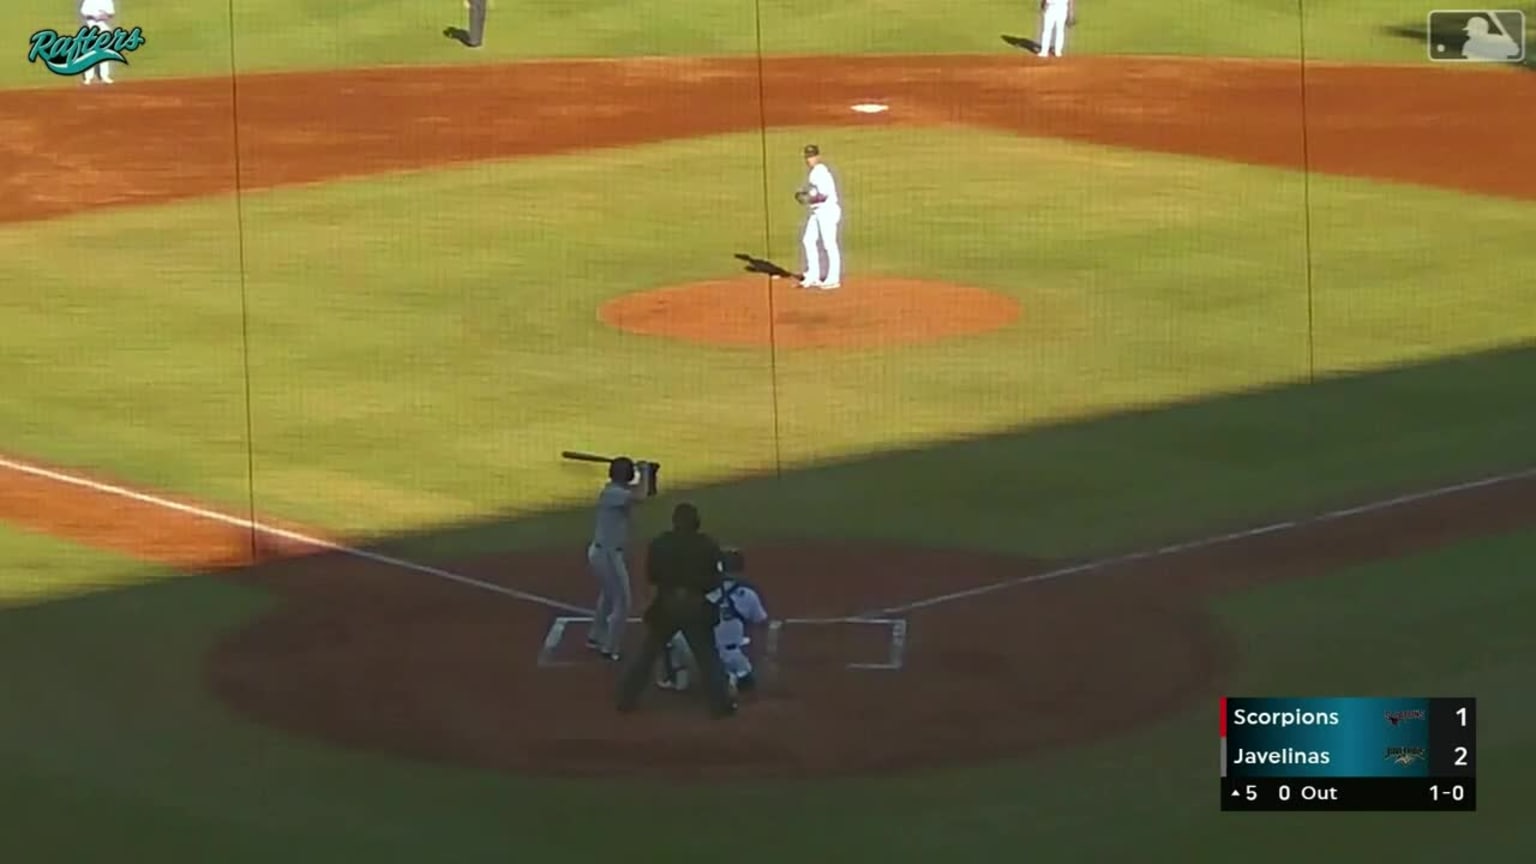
pixel 803 195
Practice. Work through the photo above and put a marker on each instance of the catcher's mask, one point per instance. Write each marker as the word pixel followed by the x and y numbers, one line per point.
pixel 731 561
pixel 621 470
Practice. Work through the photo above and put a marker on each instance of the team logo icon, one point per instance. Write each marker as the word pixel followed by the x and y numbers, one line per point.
pixel 87 48
pixel 1397 717
pixel 1404 755
pixel 1477 36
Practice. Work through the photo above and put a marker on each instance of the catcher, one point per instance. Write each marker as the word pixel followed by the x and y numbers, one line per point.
pixel 738 605
pixel 1055 17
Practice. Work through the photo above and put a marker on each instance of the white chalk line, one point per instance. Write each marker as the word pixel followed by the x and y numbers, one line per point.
pixel 872 616
pixel 897 650
pixel 1206 543
pixel 291 536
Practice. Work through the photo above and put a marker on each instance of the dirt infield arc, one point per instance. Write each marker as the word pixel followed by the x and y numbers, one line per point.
pixel 870 312
pixel 379 658
pixel 148 141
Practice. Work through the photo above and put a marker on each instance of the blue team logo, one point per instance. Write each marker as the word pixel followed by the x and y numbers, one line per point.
pixel 86 49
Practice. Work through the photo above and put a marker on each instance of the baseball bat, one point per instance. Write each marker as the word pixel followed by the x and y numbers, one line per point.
pixel 579 456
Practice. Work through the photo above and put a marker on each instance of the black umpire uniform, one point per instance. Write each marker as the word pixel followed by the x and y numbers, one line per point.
pixel 681 565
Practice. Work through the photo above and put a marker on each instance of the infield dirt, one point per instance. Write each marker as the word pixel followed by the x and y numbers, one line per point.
pixel 869 312
pixel 140 142
pixel 374 657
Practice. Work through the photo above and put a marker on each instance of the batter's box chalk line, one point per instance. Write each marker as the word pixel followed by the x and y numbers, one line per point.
pixel 896 627
pixel 556 635
pixel 895 658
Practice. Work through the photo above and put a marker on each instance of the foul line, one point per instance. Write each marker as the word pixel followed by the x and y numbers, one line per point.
pixel 292 536
pixel 865 617
pixel 1206 543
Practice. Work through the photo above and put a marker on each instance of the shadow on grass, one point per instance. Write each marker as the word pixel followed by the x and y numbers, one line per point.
pixel 1102 485
pixel 1086 487
pixel 1121 481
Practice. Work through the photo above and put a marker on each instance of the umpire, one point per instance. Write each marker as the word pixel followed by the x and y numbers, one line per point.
pixel 681 567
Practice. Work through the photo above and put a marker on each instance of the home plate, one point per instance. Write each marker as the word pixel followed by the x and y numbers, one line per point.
pixel 869 107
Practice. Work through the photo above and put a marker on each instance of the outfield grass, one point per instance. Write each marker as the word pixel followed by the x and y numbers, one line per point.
pixel 293 34
pixel 110 743
pixel 36 567
pixel 414 361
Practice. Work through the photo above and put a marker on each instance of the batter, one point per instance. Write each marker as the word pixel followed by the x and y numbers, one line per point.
pixel 627 486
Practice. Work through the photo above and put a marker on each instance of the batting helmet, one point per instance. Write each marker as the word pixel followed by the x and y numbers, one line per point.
pixel 621 470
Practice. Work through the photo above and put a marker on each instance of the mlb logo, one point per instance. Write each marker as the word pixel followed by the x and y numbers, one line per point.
pixel 1477 36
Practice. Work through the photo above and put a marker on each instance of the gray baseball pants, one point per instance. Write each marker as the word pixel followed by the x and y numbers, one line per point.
pixel 477 22
pixel 612 574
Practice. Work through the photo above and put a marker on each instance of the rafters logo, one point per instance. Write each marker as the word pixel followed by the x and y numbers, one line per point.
pixel 88 48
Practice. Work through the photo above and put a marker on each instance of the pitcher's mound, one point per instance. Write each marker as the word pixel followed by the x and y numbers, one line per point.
pixel 876 312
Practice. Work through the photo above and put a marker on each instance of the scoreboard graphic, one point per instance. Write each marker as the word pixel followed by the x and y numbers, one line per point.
pixel 1348 753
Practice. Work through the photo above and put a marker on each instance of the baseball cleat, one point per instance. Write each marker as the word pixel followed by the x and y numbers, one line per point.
pixel 810 283
pixel 830 286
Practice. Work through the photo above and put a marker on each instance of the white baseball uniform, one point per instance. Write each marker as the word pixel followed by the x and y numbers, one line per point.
pixel 98 14
pixel 822 225
pixel 1053 27
pixel 738 604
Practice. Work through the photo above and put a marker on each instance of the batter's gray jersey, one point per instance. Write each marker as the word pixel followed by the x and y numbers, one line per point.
pixel 614 504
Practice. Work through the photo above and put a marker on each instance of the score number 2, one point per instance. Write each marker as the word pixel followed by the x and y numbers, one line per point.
pixel 1461 752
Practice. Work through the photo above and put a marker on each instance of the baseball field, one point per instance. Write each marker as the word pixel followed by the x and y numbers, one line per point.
pixel 1197 362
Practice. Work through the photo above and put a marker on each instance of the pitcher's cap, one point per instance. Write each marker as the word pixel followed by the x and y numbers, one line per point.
pixel 812 150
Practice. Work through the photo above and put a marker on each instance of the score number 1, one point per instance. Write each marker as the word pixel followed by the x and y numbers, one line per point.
pixel 1461 752
pixel 1453 743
